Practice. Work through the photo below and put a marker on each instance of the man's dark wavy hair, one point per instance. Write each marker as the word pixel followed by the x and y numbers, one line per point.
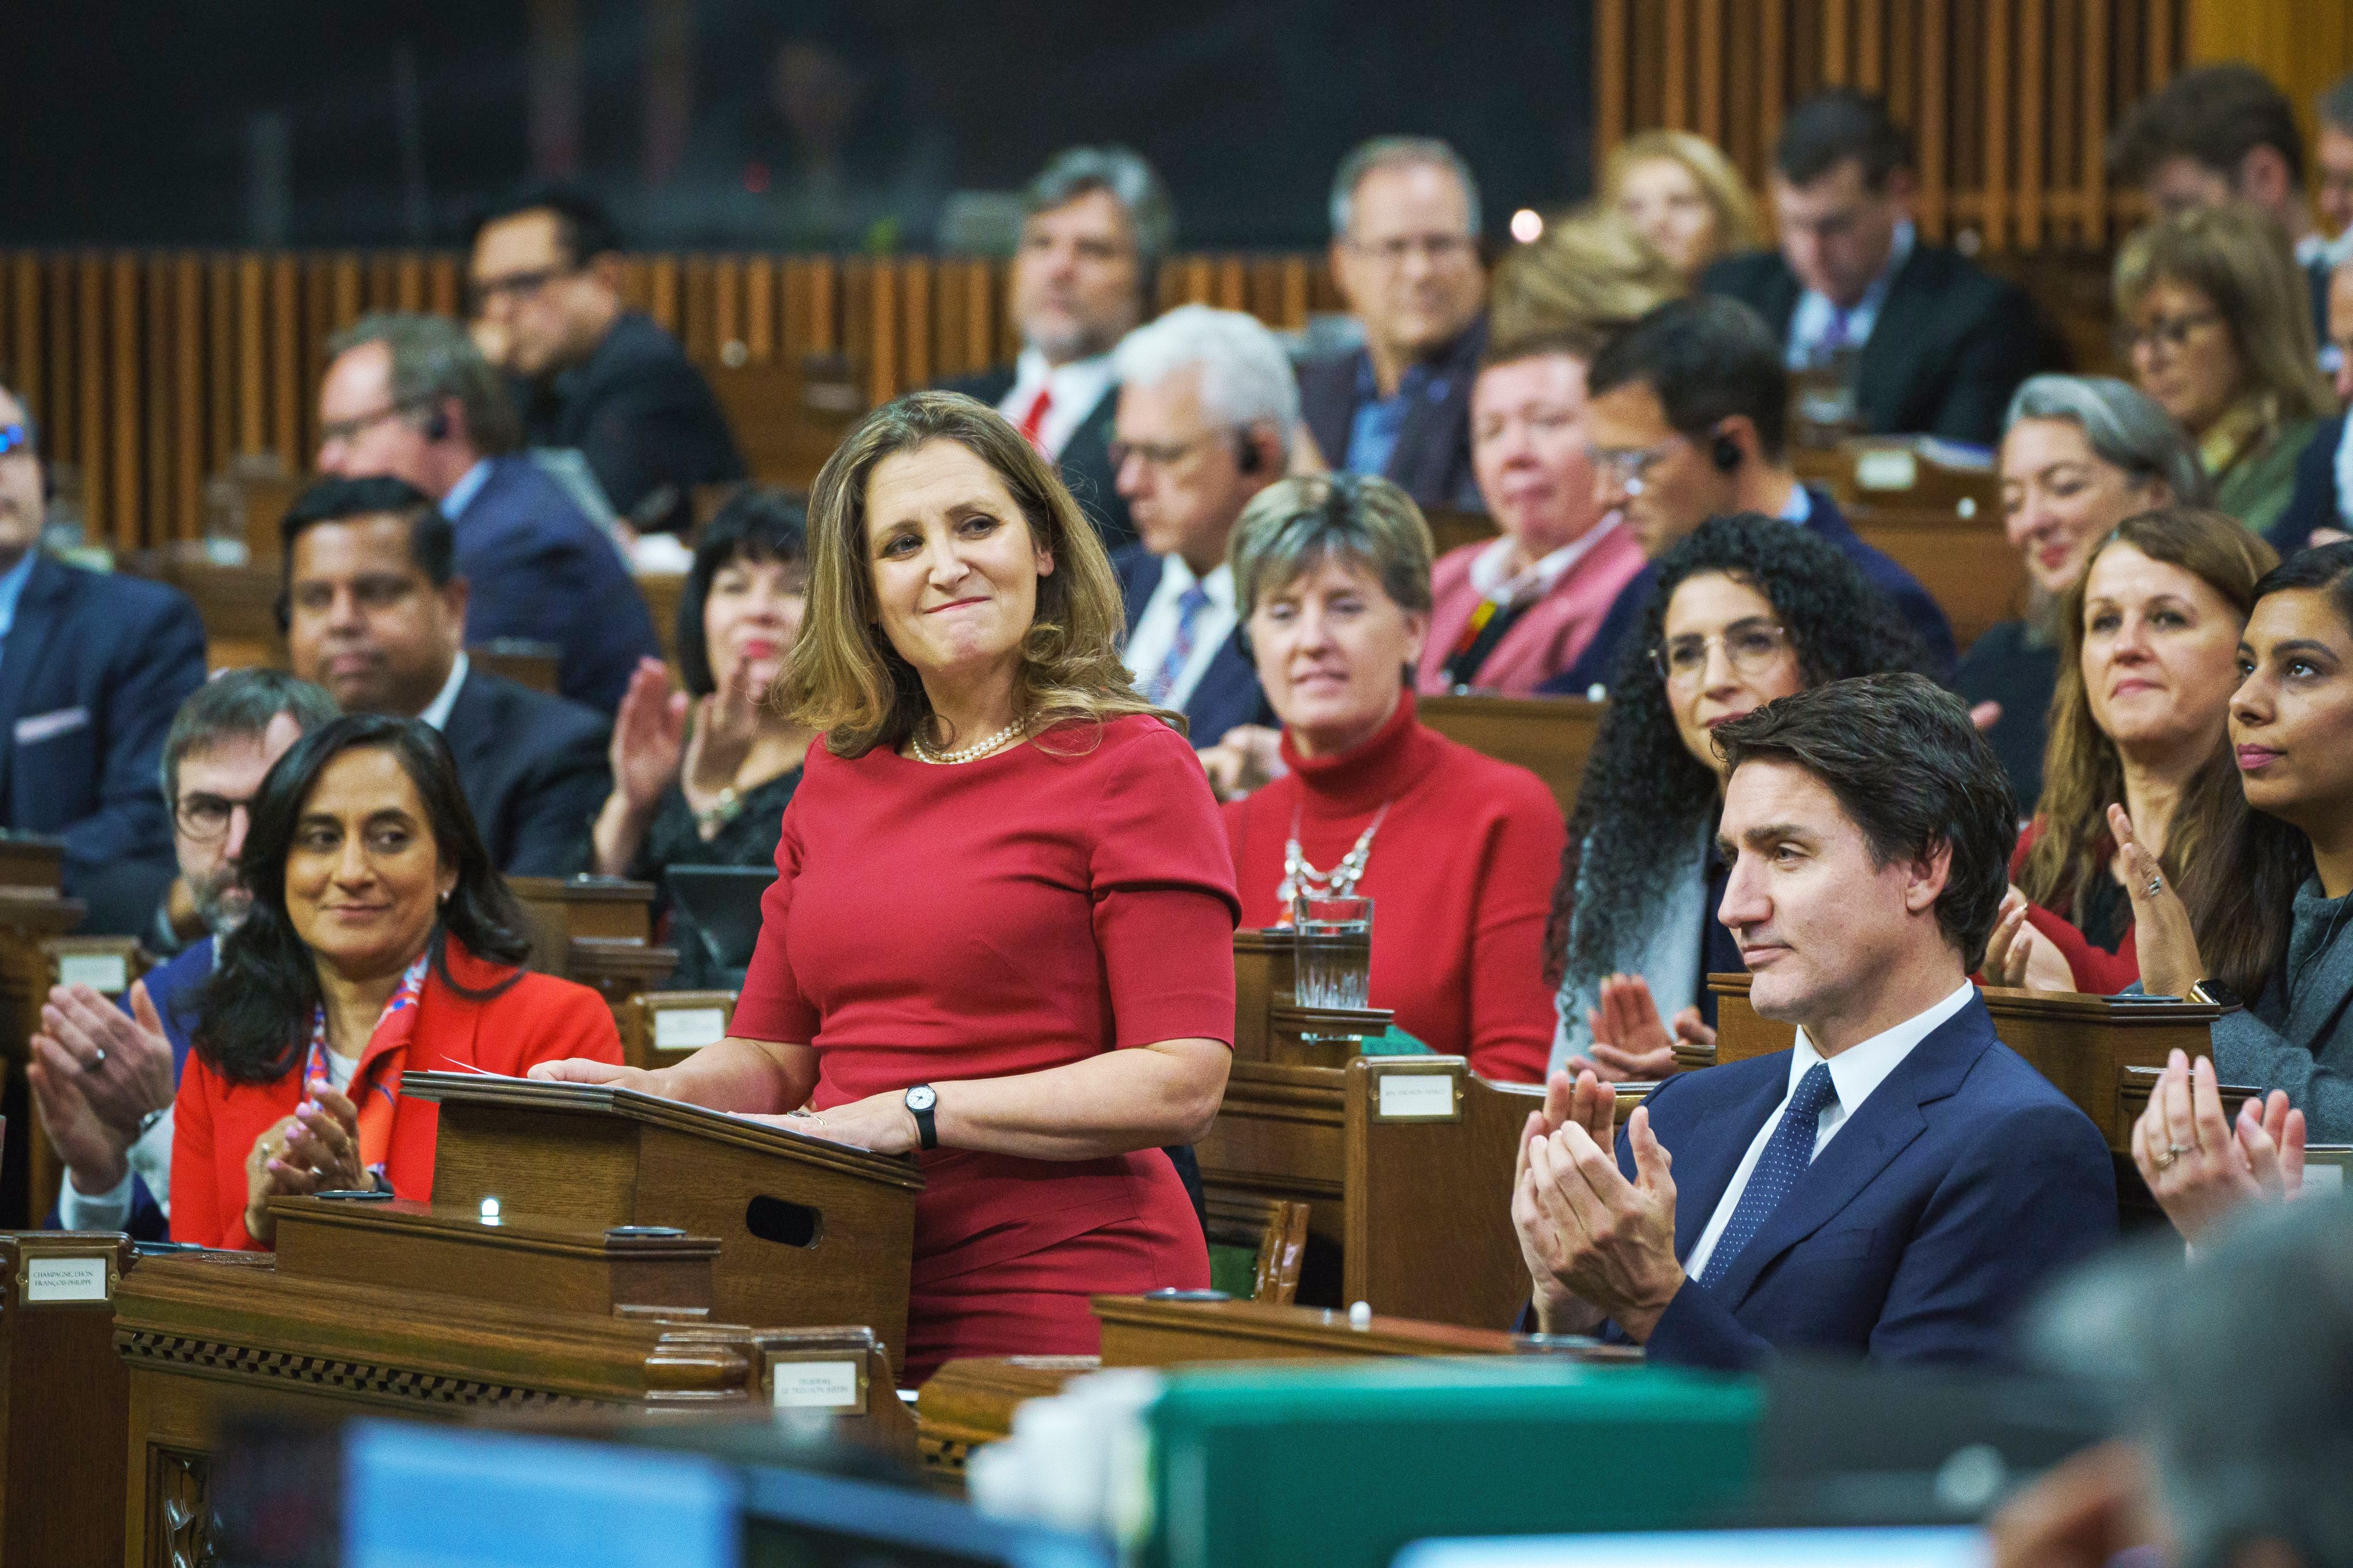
pixel 1644 798
pixel 254 1016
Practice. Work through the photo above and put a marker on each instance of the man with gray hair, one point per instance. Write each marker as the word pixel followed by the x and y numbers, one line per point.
pixel 410 396
pixel 1096 222
pixel 103 1074
pixel 1208 412
pixel 1405 252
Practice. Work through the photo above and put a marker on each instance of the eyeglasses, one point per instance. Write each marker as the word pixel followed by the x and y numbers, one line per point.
pixel 1433 248
pixel 2166 331
pixel 16 438
pixel 518 286
pixel 1750 646
pixel 1628 467
pixel 1155 455
pixel 202 818
pixel 334 430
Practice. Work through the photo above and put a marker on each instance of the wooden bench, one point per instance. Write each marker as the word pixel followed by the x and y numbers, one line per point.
pixel 1549 736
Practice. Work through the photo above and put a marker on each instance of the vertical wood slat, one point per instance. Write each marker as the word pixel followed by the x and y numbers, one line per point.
pixel 1869 45
pixel 695 328
pixel 663 291
pixel 1935 35
pixel 62 409
pixel 2094 131
pixel 1709 118
pixel 1674 104
pixel 916 366
pixel 126 488
pixel 1836 64
pixel 760 309
pixel 980 299
pixel 2032 83
pixel 190 443
pixel 882 331
pixel 285 332
pixel 27 356
pixel 1611 67
pixel 1994 213
pixel 90 447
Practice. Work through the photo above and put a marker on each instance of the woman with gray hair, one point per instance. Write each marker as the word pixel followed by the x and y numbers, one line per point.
pixel 1455 849
pixel 2079 455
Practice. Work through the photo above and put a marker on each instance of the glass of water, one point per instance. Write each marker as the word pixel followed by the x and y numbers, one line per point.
pixel 1332 951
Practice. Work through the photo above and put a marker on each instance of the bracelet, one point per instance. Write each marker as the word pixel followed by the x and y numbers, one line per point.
pixel 724 809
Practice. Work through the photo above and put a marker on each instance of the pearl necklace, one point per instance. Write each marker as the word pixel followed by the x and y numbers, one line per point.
pixel 973 753
pixel 1340 881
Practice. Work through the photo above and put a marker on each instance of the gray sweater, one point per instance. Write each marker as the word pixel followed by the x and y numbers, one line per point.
pixel 2298 1035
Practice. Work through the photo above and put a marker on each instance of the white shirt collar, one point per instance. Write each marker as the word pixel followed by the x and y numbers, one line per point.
pixel 1861 1069
pixel 1176 576
pixel 469 485
pixel 1491 569
pixel 1078 387
pixel 1798 507
pixel 437 712
pixel 1814 312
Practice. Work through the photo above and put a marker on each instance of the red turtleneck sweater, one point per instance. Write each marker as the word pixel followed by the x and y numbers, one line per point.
pixel 1461 875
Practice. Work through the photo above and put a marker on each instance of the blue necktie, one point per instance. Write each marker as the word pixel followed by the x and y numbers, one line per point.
pixel 1786 1154
pixel 1190 606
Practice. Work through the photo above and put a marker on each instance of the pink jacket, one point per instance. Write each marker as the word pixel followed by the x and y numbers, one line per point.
pixel 1547 638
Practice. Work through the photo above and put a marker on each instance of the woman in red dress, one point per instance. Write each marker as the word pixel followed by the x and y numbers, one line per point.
pixel 1001 931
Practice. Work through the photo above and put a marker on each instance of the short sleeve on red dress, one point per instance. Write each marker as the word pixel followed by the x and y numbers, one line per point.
pixel 770 1007
pixel 1164 892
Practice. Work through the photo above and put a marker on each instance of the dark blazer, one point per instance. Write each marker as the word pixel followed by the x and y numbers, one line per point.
pixel 92 672
pixel 2314 503
pixel 1227 693
pixel 537 568
pixel 1598 664
pixel 1963 1182
pixel 643 416
pixel 1432 459
pixel 1949 346
pixel 534 768
pixel 1085 461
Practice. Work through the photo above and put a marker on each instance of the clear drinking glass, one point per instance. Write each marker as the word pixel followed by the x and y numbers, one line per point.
pixel 1332 951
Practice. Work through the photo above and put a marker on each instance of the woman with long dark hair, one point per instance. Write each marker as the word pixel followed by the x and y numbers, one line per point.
pixel 380 939
pixel 1747 608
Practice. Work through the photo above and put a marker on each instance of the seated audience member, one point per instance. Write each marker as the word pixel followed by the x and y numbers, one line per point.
pixel 92 665
pixel 1332 577
pixel 103 1075
pixel 1747 610
pixel 2217 334
pixel 1587 272
pixel 702 777
pixel 375 613
pixel 2218 134
pixel 1508 614
pixel 2148 641
pixel 1208 412
pixel 377 923
pixel 2320 507
pixel 544 279
pixel 1683 194
pixel 1898 1184
pixel 1096 221
pixel 2079 455
pixel 1687 418
pixel 1405 253
pixel 411 396
pixel 1929 343
pixel 2269 942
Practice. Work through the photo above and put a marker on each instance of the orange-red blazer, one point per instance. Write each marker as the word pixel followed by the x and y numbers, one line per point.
pixel 539 1018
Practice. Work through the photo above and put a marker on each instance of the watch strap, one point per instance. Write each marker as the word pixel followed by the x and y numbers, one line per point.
pixel 927 1129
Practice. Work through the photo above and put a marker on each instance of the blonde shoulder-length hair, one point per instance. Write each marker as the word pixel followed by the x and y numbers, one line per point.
pixel 1737 227
pixel 2240 258
pixel 843 676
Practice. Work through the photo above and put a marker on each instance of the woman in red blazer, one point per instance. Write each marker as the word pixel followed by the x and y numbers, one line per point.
pixel 381 938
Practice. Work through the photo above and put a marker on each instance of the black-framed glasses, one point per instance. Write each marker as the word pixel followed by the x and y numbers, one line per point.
pixel 515 285
pixel 203 818
pixel 2172 333
pixel 1156 453
pixel 1627 467
pixel 1750 646
pixel 333 430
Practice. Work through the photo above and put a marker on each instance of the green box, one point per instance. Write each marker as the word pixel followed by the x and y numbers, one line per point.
pixel 1344 1464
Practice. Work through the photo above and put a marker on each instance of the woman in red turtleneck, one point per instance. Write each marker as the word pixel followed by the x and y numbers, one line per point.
pixel 1332 577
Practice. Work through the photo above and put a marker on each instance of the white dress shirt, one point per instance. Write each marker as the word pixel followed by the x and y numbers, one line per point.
pixel 437 712
pixel 1155 629
pixel 1855 1072
pixel 469 485
pixel 1812 317
pixel 1077 387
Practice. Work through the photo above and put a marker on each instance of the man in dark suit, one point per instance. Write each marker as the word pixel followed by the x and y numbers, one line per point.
pixel 1898 1184
pixel 374 613
pixel 1687 411
pixel 1096 221
pixel 103 1074
pixel 92 666
pixel 2224 133
pixel 2320 511
pixel 545 277
pixel 1405 252
pixel 1926 343
pixel 1207 411
pixel 410 396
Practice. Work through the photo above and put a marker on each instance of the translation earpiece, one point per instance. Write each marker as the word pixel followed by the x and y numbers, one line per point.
pixel 436 426
pixel 1724 452
pixel 1247 457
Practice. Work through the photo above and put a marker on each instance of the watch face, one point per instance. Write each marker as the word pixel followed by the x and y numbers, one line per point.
pixel 922 1097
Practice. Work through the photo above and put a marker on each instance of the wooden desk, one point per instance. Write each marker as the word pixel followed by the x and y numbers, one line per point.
pixel 31 916
pixel 61 1419
pixel 563 909
pixel 663 592
pixel 1549 736
pixel 1452 528
pixel 1967 564
pixel 658 1027
pixel 238 604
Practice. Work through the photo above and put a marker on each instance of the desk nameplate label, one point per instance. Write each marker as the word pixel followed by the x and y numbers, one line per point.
pixel 689 1029
pixel 108 974
pixel 818 1382
pixel 1417 1097
pixel 66 1281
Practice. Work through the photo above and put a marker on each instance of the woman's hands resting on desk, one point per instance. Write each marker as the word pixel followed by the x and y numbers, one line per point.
pixel 1631 1043
pixel 316 1150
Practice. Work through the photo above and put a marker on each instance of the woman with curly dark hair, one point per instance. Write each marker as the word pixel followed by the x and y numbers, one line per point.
pixel 1747 609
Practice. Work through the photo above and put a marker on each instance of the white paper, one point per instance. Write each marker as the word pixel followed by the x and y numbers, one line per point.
pixel 104 973
pixel 816 1384
pixel 1417 1094
pixel 1885 469
pixel 52 1279
pixel 689 1029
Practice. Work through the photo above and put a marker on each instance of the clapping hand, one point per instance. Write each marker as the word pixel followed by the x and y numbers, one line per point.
pixel 1631 1045
pixel 1246 758
pixel 316 1150
pixel 2200 1166
pixel 95 1076
pixel 649 736
pixel 726 723
pixel 1590 1237
pixel 2019 956
pixel 2170 963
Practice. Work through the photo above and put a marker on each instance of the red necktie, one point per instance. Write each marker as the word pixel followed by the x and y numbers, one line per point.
pixel 1034 422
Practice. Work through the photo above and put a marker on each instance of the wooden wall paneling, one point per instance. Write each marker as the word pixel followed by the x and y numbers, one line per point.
pixel 252 353
pixel 1993 215
pixel 917 365
pixel 286 362
pixel 2092 135
pixel 1772 86
pixel 662 289
pixel 637 283
pixel 1707 30
pixel 1870 44
pixel 1836 67
pixel 349 277
pixel 151 280
pixel 1231 290
pixel 190 442
pixel 1902 47
pixel 1611 24
pixel 380 285
pixel 794 281
pixel 1675 48
pixel 444 286
pixel 122 521
pixel 1298 285
pixel 697 307
pixel 760 309
pixel 409 282
pixel 2035 86
pixel 1928 130
pixel 60 415
pixel 855 314
pixel 327 282
pixel 981 294
pixel 952 326
pixel 26 356
pixel 826 323
pixel 89 446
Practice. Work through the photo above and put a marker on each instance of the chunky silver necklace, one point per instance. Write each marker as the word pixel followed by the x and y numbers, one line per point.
pixel 974 752
pixel 1340 881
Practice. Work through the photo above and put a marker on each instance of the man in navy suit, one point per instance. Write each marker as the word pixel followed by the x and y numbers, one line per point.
pixel 103 1074
pixel 1208 410
pixel 375 613
pixel 92 666
pixel 1898 1184
pixel 1096 222
pixel 1689 407
pixel 410 396
pixel 2320 510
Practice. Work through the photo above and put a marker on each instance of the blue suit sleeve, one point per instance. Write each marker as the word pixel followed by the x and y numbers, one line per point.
pixel 119 857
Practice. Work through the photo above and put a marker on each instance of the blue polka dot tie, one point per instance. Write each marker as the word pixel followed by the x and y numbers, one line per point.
pixel 1786 1154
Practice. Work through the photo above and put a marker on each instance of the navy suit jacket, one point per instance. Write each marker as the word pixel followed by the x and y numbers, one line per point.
pixel 536 567
pixel 1431 461
pixel 1949 346
pixel 1917 608
pixel 534 771
pixel 1957 1188
pixel 91 675
pixel 1085 461
pixel 2314 503
pixel 173 987
pixel 1228 692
